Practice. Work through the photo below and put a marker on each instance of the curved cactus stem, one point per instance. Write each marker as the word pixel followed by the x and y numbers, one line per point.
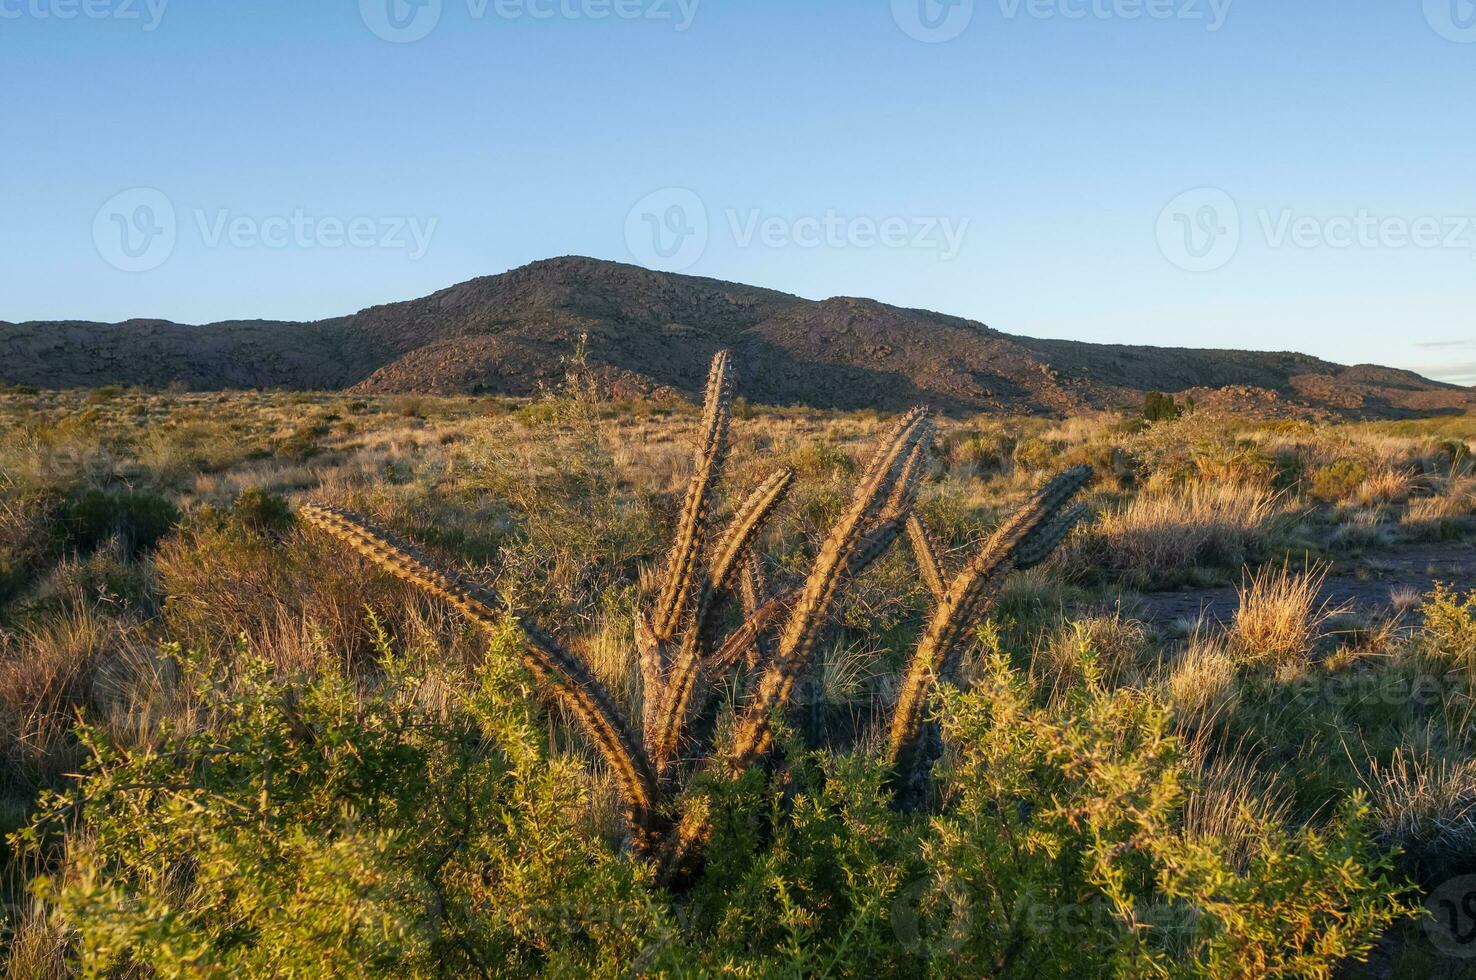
pixel 978 584
pixel 750 520
pixel 754 591
pixel 552 665
pixel 664 730
pixel 928 563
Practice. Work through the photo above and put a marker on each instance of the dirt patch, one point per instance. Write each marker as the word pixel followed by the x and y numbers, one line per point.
pixel 1371 586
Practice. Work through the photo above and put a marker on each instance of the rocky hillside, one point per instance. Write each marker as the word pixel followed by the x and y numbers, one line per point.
pixel 653 333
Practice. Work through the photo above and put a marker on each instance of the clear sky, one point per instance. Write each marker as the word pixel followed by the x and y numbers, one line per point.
pixel 1270 174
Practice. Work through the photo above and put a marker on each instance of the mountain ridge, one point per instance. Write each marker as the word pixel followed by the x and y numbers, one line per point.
pixel 652 333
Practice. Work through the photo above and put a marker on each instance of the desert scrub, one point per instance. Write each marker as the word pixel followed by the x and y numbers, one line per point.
pixel 1162 539
pixel 1450 626
pixel 1339 480
pixel 232 574
pixel 1099 777
pixel 140 519
pixel 370 831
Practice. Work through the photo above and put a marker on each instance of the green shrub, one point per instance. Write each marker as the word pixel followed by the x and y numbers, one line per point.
pixel 1035 454
pixel 1159 407
pixel 262 511
pixel 1337 481
pixel 90 517
pixel 1450 625
pixel 364 832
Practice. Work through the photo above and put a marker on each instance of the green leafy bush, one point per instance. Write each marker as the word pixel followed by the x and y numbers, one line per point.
pixel 1035 454
pixel 262 511
pixel 1159 407
pixel 90 517
pixel 341 829
pixel 1338 480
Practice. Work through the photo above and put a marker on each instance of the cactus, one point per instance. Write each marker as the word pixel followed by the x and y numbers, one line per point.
pixel 1025 540
pixel 680 652
pixel 552 665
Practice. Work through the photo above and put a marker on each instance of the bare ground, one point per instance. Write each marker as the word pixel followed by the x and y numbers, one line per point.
pixel 1372 586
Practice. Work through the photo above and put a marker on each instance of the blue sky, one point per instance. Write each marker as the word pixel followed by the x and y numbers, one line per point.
pixel 1238 173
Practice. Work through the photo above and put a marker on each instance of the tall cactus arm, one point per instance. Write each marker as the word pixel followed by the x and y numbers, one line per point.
pixel 754 590
pixel 978 584
pixel 554 667
pixel 928 563
pixel 681 569
pixel 752 734
pixel 750 520
pixel 664 729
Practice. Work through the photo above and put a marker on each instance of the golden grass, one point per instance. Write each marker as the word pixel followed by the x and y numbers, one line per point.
pixel 1281 615
pixel 1201 523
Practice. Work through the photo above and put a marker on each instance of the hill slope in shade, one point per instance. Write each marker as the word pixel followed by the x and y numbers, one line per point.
pixel 654 333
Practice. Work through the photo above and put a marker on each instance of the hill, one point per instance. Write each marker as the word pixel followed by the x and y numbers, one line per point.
pixel 654 333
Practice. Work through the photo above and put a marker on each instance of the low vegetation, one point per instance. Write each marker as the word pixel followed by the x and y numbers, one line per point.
pixel 833 694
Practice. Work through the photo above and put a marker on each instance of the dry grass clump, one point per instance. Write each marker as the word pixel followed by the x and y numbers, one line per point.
pixel 1231 801
pixel 1158 537
pixel 1443 514
pixel 1280 618
pixel 49 669
pixel 1426 806
pixel 1386 485
pixel 1201 685
pixel 1105 649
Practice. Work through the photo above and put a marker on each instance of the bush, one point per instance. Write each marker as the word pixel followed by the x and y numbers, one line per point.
pixel 1159 407
pixel 90 517
pixel 262 511
pixel 367 833
pixel 1338 480
pixel 1035 454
